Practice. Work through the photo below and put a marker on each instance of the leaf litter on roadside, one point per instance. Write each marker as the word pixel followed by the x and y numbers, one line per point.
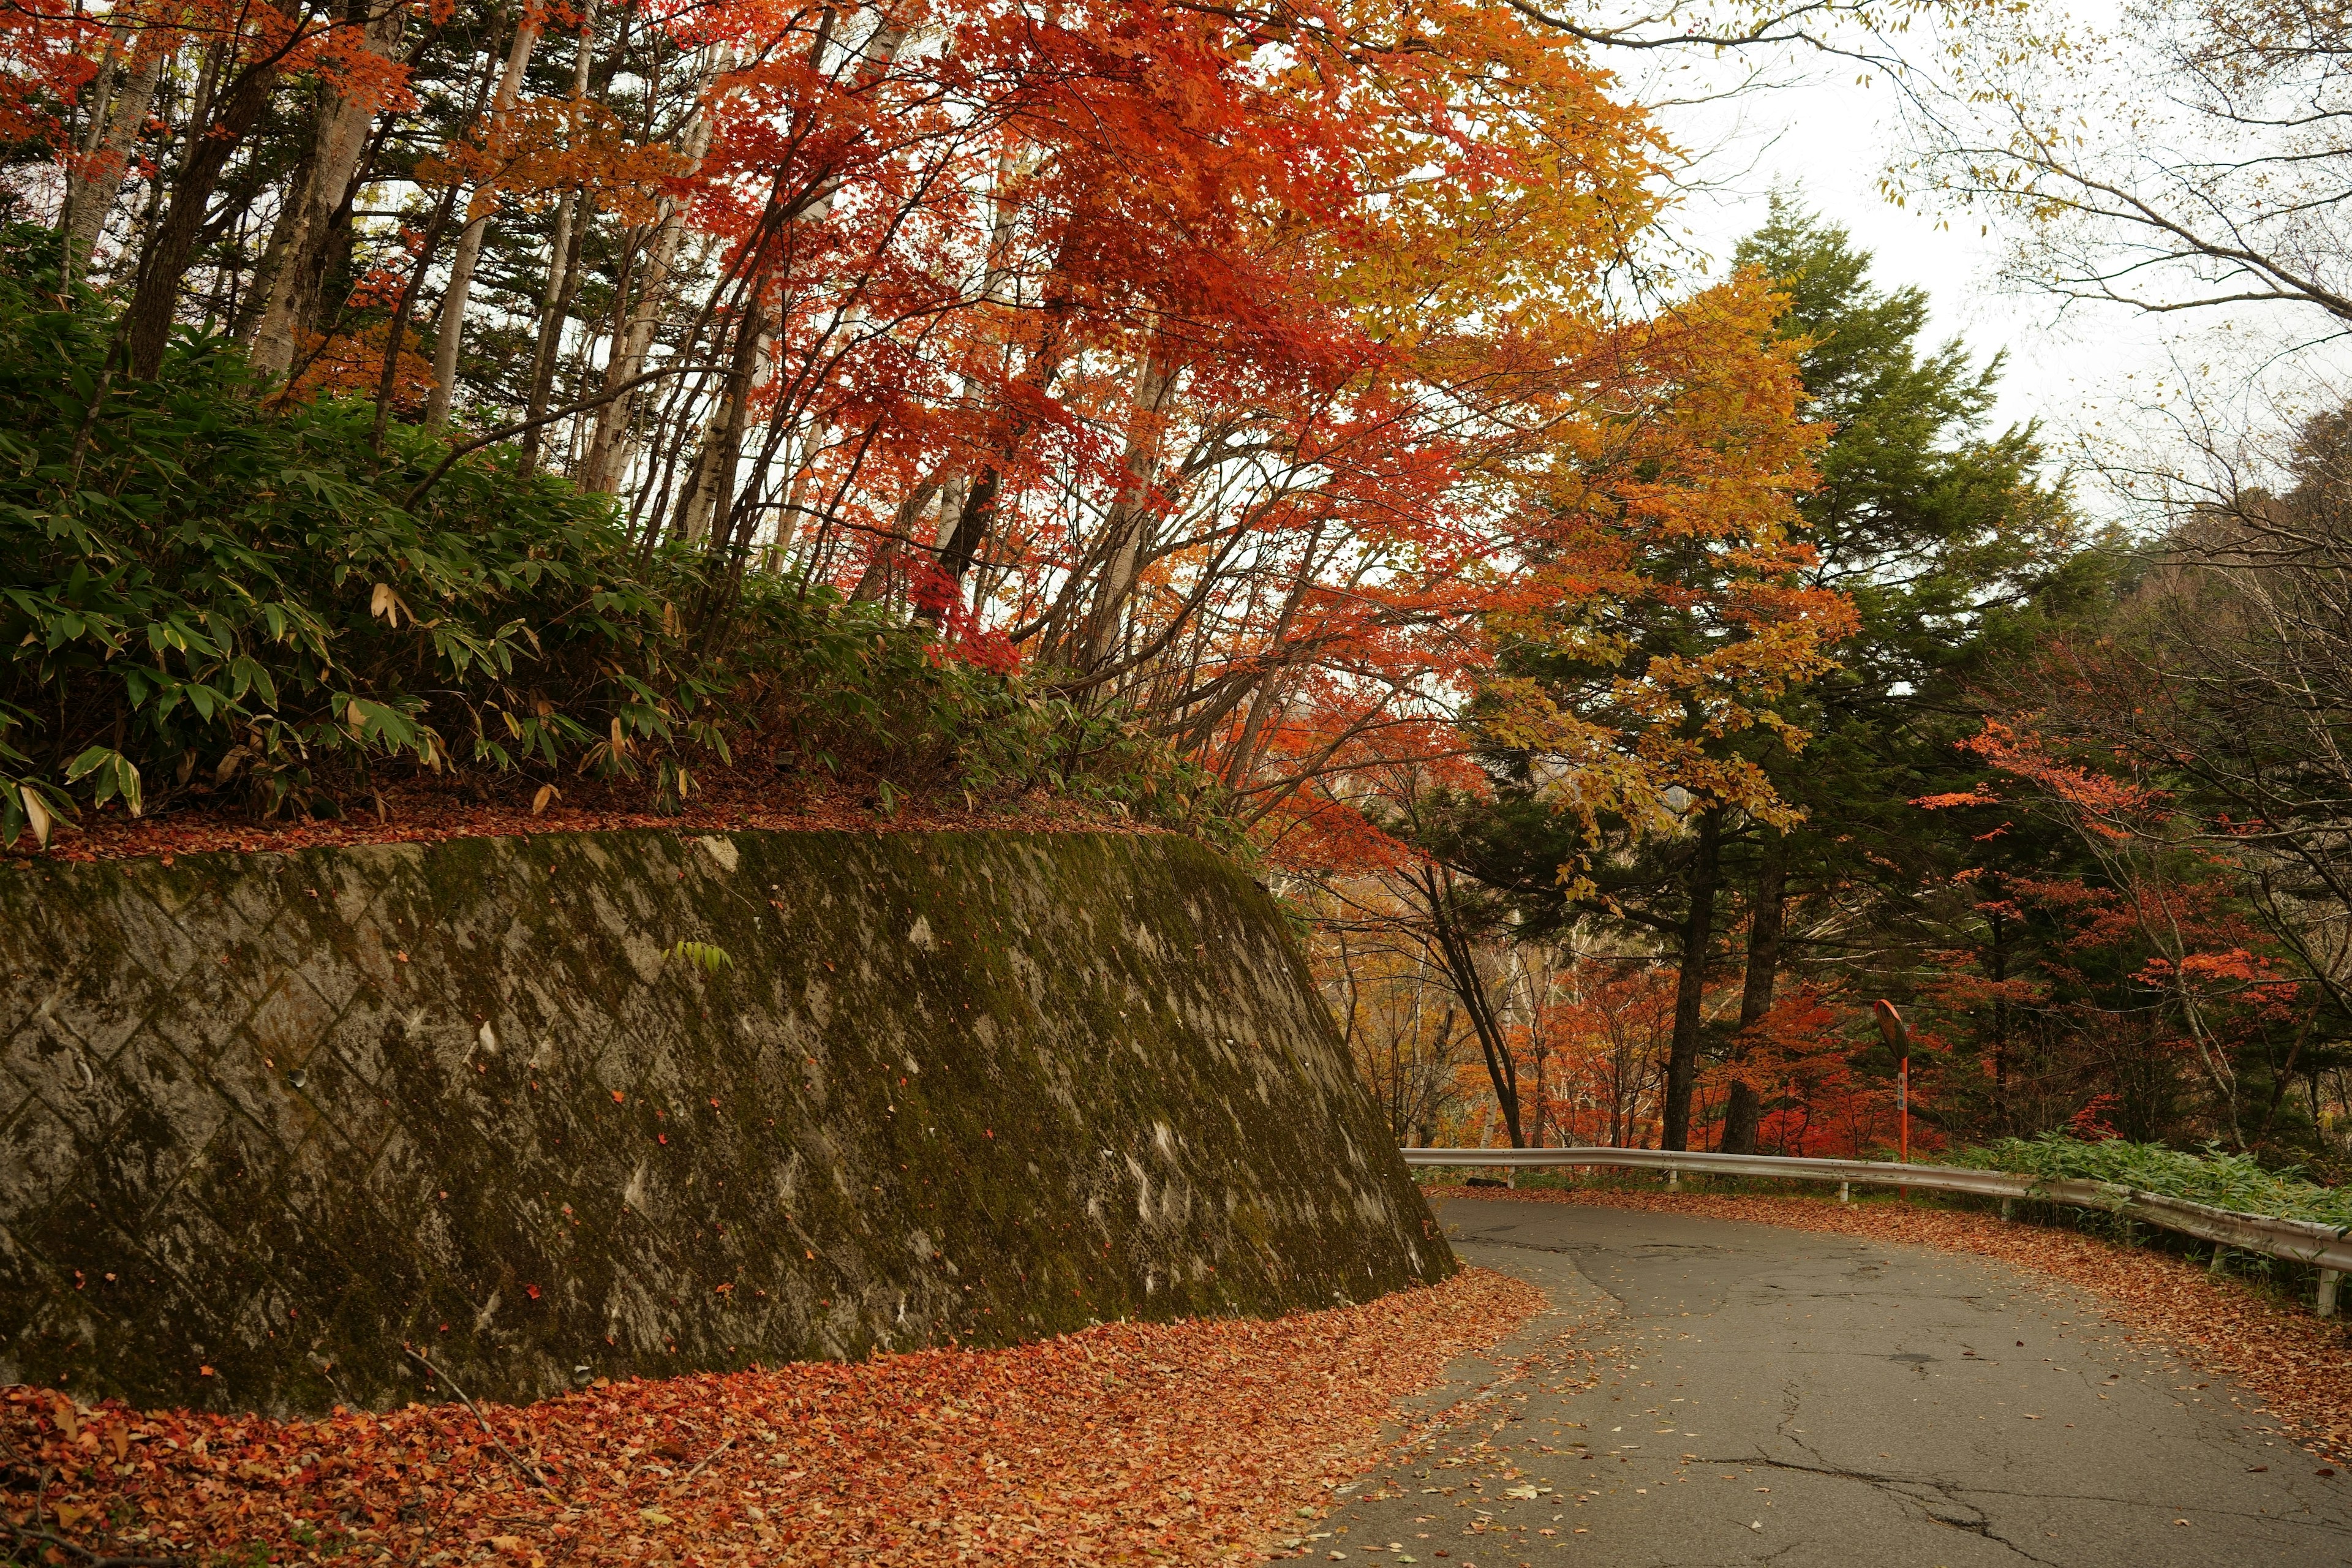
pixel 1188 1442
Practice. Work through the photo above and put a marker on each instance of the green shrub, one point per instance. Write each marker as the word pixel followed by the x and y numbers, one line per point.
pixel 2215 1177
pixel 199 593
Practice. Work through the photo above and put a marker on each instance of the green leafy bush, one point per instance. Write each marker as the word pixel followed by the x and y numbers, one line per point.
pixel 2215 1177
pixel 200 593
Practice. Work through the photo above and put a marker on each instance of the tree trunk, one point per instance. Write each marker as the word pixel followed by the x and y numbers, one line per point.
pixel 91 184
pixel 1271 685
pixel 706 509
pixel 609 449
pixel 450 331
pixel 1999 1053
pixel 555 314
pixel 299 271
pixel 961 547
pixel 1690 992
pixel 881 570
pixel 961 550
pixel 1459 960
pixel 1123 524
pixel 1745 1108
pixel 253 302
pixel 562 265
pixel 163 263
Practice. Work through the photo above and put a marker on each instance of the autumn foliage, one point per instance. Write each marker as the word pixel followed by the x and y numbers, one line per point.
pixel 1129 1442
pixel 1248 377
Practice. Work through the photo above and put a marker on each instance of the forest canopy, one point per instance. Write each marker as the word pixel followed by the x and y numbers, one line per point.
pixel 1288 424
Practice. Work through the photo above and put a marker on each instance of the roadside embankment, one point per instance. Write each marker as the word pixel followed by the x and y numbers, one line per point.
pixel 281 1132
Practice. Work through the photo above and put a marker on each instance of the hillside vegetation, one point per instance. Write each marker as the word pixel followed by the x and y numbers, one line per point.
pixel 212 600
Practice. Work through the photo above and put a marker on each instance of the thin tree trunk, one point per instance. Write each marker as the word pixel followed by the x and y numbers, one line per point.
pixel 2000 1109
pixel 389 377
pixel 114 123
pixel 1459 960
pixel 296 274
pixel 1744 1110
pixel 875 581
pixel 555 315
pixel 707 512
pixel 1267 692
pixel 1690 992
pixel 442 210
pixel 81 188
pixel 246 319
pixel 963 548
pixel 450 331
pixel 1123 524
pixel 732 524
pixel 163 261
pixel 805 447
pixel 608 449
pixel 562 265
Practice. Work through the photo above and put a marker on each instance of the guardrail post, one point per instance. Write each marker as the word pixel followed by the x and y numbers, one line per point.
pixel 2007 1207
pixel 1845 1192
pixel 1674 1179
pixel 2220 1256
pixel 2327 1279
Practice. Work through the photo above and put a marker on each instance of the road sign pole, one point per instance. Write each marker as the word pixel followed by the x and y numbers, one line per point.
pixel 1898 1039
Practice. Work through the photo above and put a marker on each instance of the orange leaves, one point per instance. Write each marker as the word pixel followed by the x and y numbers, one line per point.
pixel 545 146
pixel 1665 602
pixel 1976 794
pixel 2096 801
pixel 352 362
pixel 1189 1441
pixel 344 58
pixel 51 52
pixel 48 52
pixel 1800 1061
pixel 1505 167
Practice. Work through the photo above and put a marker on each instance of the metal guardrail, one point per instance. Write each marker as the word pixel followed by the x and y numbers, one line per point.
pixel 2324 1246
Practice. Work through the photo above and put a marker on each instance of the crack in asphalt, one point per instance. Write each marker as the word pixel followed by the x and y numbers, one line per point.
pixel 1574 1248
pixel 1958 1495
pixel 1747 1327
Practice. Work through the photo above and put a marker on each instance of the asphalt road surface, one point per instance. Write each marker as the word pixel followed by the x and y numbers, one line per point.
pixel 1705 1393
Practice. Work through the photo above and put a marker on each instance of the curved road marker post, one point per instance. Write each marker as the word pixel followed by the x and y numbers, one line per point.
pixel 1898 1040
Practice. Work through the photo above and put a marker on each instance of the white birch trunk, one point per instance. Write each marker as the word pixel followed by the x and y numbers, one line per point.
pixel 451 328
pixel 106 152
pixel 343 122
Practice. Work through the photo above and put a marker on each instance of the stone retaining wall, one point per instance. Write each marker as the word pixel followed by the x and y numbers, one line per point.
pixel 269 1118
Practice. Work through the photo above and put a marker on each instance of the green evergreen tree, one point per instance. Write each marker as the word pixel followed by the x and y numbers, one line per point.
pixel 1954 552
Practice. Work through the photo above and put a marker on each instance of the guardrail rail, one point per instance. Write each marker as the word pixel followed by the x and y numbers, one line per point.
pixel 2324 1246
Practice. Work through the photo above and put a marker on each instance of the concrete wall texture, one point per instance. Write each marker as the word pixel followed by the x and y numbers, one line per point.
pixel 266 1121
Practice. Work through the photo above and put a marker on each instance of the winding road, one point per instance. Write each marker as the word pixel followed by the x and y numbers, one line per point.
pixel 1702 1394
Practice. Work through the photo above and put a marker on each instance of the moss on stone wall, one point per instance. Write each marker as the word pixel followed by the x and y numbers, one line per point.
pixel 278 1116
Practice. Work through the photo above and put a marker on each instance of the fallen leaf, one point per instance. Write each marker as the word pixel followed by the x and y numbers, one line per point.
pixel 1236 1425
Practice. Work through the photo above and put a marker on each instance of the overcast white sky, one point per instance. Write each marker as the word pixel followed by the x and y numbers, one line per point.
pixel 1832 138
